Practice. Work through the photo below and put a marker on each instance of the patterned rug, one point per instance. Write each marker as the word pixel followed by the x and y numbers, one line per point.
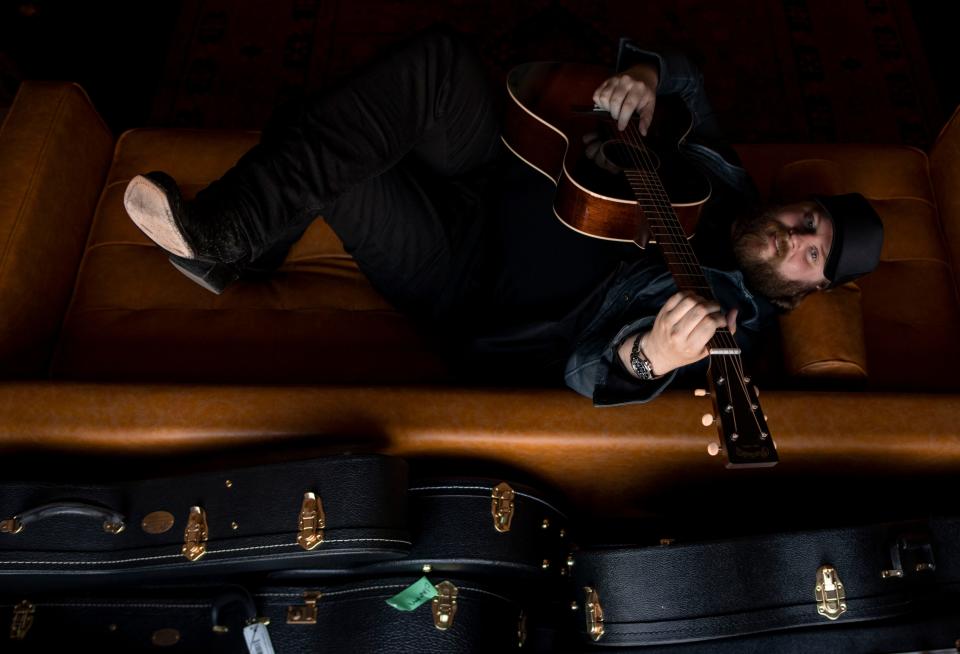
pixel 776 71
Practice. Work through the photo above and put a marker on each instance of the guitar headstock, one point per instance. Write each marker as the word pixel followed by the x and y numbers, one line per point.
pixel 742 426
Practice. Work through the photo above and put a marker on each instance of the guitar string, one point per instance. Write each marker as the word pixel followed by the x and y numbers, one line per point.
pixel 686 255
pixel 727 360
pixel 655 185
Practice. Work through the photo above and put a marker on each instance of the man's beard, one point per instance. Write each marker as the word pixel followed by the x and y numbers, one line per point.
pixel 751 237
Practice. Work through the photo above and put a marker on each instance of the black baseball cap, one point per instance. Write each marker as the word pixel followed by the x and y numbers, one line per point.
pixel 857 237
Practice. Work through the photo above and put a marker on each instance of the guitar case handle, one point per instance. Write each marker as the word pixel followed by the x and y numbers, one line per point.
pixel 112 522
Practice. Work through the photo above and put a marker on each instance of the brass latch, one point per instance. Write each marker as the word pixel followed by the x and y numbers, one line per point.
pixel 306 614
pixel 501 506
pixel 195 535
pixel 830 593
pixel 312 522
pixel 22 620
pixel 11 526
pixel 594 614
pixel 444 605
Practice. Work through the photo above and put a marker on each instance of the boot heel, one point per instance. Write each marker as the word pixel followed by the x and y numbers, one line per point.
pixel 214 277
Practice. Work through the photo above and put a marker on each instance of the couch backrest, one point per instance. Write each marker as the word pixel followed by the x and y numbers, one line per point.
pixel 54 155
pixel 945 176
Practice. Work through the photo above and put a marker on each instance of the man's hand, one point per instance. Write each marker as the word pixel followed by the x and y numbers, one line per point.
pixel 680 332
pixel 634 90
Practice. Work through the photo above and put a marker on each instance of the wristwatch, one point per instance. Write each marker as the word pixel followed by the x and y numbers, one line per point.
pixel 639 361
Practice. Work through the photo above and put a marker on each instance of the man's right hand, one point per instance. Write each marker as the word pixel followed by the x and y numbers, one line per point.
pixel 629 92
pixel 682 329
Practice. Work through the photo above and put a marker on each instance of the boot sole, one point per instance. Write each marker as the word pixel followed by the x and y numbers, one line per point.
pixel 149 208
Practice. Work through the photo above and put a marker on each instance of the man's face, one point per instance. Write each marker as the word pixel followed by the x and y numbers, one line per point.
pixel 782 251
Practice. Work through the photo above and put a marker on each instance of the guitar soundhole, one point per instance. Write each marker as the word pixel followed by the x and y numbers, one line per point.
pixel 622 156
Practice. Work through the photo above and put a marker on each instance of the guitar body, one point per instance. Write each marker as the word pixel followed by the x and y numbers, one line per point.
pixel 548 123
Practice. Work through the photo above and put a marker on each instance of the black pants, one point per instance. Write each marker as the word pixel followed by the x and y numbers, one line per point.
pixel 393 160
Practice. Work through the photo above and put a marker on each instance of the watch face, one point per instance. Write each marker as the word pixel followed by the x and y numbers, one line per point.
pixel 641 366
pixel 645 367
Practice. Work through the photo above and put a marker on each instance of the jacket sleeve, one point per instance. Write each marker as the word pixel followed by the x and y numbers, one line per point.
pixel 680 76
pixel 592 370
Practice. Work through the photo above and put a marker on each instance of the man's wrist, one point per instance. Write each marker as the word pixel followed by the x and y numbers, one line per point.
pixel 633 358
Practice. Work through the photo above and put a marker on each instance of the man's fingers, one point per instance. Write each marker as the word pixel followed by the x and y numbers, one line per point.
pixel 674 300
pixel 674 315
pixel 646 117
pixel 704 331
pixel 602 92
pixel 709 312
pixel 626 111
pixel 732 320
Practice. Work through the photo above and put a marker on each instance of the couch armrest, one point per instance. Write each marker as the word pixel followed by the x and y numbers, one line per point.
pixel 55 151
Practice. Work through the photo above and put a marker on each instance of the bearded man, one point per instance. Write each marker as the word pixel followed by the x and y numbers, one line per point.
pixel 405 163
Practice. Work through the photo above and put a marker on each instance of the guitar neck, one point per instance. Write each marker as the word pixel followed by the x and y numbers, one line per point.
pixel 667 231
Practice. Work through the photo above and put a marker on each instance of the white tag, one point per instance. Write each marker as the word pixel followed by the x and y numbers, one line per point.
pixel 258 638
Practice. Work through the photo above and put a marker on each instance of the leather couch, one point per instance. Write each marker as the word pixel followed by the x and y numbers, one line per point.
pixel 109 355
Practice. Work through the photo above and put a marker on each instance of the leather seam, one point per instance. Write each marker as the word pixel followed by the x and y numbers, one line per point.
pixel 31 184
pixel 209 552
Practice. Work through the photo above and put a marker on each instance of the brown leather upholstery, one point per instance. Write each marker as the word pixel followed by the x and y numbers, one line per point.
pixel 54 154
pixel 823 338
pixel 133 316
pixel 286 351
pixel 945 175
pixel 910 309
pixel 605 459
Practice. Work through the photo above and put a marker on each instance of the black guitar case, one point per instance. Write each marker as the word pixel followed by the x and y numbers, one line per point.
pixel 817 580
pixel 322 513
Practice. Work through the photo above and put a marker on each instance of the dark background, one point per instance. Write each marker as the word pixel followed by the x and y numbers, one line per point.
pixel 777 70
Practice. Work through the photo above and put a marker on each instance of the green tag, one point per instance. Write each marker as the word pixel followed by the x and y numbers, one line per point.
pixel 413 595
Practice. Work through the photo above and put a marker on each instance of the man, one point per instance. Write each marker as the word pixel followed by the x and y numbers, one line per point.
pixel 404 162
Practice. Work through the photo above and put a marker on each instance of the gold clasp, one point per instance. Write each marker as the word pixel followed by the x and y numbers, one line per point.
pixel 312 522
pixel 11 526
pixel 594 614
pixel 501 506
pixel 306 614
pixel 444 605
pixel 830 593
pixel 195 535
pixel 22 620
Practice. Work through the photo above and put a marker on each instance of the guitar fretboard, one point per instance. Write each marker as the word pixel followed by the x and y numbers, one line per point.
pixel 666 229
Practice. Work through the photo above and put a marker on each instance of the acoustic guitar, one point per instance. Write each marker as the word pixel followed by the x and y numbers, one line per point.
pixel 623 186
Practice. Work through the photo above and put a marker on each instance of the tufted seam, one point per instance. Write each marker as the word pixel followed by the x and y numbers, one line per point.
pixel 31 184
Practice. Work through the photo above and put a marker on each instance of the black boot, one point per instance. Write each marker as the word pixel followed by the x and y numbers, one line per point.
pixel 155 205
pixel 215 277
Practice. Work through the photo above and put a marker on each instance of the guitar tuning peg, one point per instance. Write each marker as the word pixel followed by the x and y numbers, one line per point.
pixel 700 392
pixel 756 390
pixel 707 419
pixel 713 449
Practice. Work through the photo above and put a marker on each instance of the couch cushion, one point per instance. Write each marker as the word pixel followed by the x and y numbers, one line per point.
pixel 133 316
